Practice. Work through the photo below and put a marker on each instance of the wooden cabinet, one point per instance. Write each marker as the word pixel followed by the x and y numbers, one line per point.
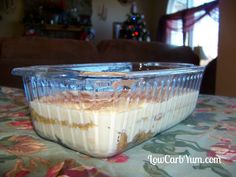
pixel 58 18
pixel 57 31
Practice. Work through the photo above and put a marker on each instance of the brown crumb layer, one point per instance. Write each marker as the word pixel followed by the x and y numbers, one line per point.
pixel 52 121
pixel 138 138
pixel 122 142
pixel 142 136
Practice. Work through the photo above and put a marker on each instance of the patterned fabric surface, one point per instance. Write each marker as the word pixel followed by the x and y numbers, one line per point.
pixel 209 133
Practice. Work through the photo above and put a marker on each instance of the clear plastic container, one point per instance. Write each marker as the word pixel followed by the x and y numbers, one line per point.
pixel 104 109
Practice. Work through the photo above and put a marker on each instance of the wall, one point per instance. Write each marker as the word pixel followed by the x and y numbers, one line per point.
pixel 158 8
pixel 114 12
pixel 11 23
pixel 152 10
pixel 226 63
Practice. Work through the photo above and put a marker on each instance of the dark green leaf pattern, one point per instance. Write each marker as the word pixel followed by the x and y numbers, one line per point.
pixel 169 142
pixel 154 171
pixel 4 157
pixel 6 143
pixel 217 168
pixel 198 119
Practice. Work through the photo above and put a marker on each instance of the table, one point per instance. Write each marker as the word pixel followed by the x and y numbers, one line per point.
pixel 209 132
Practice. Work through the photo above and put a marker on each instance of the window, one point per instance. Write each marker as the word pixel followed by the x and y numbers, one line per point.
pixel 204 33
pixel 177 5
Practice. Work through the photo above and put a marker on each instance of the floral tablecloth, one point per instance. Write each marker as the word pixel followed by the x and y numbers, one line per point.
pixel 209 133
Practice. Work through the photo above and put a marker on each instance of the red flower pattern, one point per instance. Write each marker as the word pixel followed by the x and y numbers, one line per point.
pixel 121 158
pixel 232 106
pixel 17 114
pixel 23 124
pixel 19 170
pixel 21 145
pixel 70 168
pixel 228 125
pixel 6 107
pixel 223 150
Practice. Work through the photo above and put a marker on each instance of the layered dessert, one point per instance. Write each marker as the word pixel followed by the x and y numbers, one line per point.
pixel 103 109
pixel 103 124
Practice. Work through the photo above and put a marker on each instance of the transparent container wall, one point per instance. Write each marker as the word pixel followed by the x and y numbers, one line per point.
pixel 103 115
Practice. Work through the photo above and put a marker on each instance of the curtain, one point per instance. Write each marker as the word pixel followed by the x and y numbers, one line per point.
pixel 184 20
